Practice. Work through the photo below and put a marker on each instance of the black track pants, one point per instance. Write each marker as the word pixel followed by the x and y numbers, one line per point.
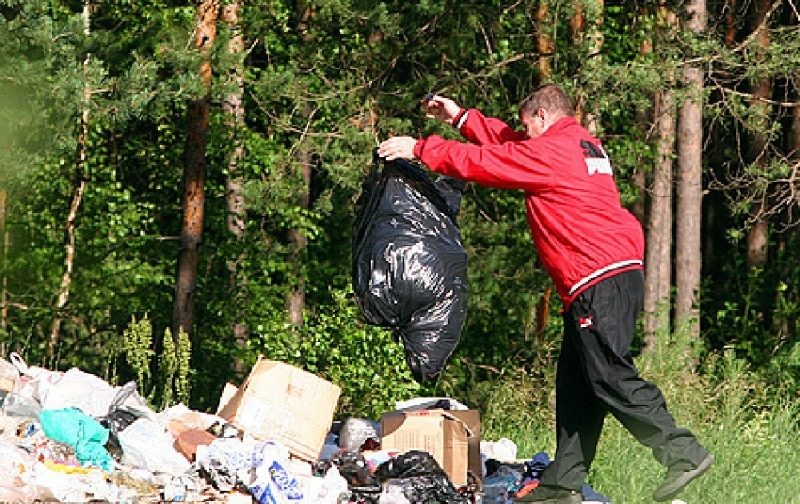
pixel 596 375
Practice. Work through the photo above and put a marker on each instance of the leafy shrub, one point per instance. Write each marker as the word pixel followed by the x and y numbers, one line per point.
pixel 335 344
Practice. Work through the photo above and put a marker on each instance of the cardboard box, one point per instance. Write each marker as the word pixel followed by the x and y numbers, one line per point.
pixel 472 419
pixel 284 403
pixel 444 434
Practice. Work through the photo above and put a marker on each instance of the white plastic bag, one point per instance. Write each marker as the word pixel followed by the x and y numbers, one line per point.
pixel 15 462
pixel 502 450
pixel 272 482
pixel 35 381
pixel 421 403
pixel 330 489
pixel 77 389
pixel 147 445
pixel 9 377
pixel 356 431
pixel 393 495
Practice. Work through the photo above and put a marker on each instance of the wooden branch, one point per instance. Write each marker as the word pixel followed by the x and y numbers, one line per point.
pixel 746 42
pixel 750 96
pixel 489 70
pixel 304 133
pixel 18 306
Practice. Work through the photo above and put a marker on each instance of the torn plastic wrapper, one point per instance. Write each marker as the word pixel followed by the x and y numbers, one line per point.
pixel 409 264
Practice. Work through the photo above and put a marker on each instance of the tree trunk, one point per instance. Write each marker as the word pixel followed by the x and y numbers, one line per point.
pixel 729 39
pixel 793 140
pixel 594 34
pixel 296 298
pixel 295 303
pixel 785 324
pixel 75 201
pixel 658 260
pixel 544 43
pixel 690 187
pixel 194 175
pixel 761 89
pixel 644 118
pixel 233 108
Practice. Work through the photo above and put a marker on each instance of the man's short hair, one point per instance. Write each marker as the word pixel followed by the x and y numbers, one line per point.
pixel 549 97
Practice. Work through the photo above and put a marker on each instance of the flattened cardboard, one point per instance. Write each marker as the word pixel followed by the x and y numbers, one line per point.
pixel 284 403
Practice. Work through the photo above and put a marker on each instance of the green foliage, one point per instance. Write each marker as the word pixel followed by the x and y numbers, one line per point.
pixel 755 318
pixel 184 370
pixel 137 342
pixel 168 366
pixel 364 361
pixel 169 384
pixel 324 86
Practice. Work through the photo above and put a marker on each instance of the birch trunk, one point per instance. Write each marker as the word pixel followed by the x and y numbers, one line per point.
pixel 75 201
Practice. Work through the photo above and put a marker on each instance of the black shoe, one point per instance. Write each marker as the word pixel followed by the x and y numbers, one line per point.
pixel 675 481
pixel 551 495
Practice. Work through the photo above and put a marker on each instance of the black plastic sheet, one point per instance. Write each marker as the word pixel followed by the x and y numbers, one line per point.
pixel 409 265
pixel 420 478
pixel 415 474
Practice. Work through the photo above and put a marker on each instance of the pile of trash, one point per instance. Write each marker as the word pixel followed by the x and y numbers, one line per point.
pixel 72 437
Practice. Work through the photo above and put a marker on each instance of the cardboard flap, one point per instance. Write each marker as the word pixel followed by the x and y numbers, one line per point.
pixel 462 423
pixel 274 403
pixel 444 414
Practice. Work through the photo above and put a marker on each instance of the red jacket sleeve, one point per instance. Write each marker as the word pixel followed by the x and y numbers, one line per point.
pixel 482 130
pixel 510 165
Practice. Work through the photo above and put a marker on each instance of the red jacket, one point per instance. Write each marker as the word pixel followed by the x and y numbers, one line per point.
pixel 579 228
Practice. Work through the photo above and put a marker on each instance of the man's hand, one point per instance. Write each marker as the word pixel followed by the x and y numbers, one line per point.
pixel 397 147
pixel 441 108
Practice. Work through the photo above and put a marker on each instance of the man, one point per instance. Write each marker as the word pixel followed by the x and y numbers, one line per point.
pixel 593 249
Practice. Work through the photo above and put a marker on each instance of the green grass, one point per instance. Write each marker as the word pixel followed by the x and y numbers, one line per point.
pixel 754 436
pixel 757 461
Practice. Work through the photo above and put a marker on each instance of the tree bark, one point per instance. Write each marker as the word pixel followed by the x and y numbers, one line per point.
pixel 233 109
pixel 690 187
pixel 757 152
pixel 296 297
pixel 658 258
pixel 295 303
pixel 194 175
pixel 658 261
pixel 544 43
pixel 793 140
pixel 75 201
pixel 594 34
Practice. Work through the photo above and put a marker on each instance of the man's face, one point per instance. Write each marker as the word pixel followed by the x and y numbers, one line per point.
pixel 535 123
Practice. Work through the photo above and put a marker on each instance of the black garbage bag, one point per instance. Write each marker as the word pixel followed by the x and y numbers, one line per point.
pixel 420 478
pixel 363 486
pixel 409 265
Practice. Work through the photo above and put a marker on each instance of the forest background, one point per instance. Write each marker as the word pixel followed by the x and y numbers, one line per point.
pixel 177 183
